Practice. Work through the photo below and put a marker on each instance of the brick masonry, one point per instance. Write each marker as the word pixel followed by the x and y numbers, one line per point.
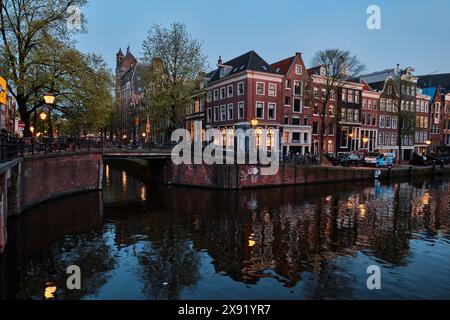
pixel 45 178
pixel 247 176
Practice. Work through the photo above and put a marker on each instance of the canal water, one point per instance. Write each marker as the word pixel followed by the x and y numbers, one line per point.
pixel 139 241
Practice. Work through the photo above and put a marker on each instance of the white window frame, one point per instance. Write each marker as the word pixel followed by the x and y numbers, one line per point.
pixel 256 110
pixel 293 104
pixel 263 87
pixel 223 116
pixel 275 88
pixel 230 107
pixel 241 104
pixel 224 91
pixel 216 115
pixel 297 66
pixel 243 88
pixel 216 95
pixel 274 111
pixel 230 95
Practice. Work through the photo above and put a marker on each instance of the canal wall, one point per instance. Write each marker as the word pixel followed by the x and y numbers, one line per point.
pixel 27 182
pixel 232 177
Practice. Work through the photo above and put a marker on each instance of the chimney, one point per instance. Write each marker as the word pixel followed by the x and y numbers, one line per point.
pixel 219 62
pixel 398 66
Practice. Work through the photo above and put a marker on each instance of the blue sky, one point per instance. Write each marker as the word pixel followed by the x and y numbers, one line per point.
pixel 414 33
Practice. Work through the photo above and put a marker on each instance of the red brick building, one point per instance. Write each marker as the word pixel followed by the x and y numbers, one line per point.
pixel 369 117
pixel 447 120
pixel 243 89
pixel 422 123
pixel 295 115
pixel 436 108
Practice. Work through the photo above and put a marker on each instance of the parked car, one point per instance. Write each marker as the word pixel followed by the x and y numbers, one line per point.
pixel 379 160
pixel 419 160
pixel 439 159
pixel 336 160
pixel 352 160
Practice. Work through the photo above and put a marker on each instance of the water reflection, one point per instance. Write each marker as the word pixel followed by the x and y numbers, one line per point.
pixel 150 242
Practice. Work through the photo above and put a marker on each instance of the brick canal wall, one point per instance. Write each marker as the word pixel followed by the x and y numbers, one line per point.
pixel 246 176
pixel 27 182
pixel 52 176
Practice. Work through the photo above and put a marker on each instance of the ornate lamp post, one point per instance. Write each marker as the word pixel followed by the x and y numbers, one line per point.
pixel 49 100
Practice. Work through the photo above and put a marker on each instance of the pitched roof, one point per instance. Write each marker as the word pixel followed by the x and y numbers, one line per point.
pixel 249 61
pixel 282 67
pixel 379 76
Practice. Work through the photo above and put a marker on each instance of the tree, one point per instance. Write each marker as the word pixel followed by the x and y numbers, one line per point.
pixel 36 48
pixel 176 60
pixel 336 67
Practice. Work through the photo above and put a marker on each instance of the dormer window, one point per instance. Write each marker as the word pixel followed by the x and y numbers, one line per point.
pixel 222 73
pixel 298 69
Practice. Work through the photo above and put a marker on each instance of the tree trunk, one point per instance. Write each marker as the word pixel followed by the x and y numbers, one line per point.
pixel 322 138
pixel 25 118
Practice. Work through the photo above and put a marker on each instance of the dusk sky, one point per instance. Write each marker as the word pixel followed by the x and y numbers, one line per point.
pixel 414 33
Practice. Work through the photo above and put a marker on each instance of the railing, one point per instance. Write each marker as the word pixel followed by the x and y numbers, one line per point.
pixel 12 147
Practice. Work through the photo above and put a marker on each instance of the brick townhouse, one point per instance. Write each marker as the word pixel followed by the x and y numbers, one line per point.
pixel 241 93
pixel 422 123
pixel 436 111
pixel 295 115
pixel 314 102
pixel 388 112
pixel 369 118
pixel 447 121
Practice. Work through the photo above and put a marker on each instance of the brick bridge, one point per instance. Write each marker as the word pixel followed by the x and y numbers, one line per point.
pixel 34 178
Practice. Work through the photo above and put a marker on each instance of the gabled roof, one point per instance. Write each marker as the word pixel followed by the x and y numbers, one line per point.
pixel 283 66
pixel 366 86
pixel 249 61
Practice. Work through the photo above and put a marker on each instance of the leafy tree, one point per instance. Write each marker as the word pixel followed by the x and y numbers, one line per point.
pixel 337 67
pixel 36 49
pixel 176 60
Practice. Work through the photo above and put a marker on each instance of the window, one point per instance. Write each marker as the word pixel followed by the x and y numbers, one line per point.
pixel 216 95
pixel 364 103
pixel 344 138
pixel 230 112
pixel 331 111
pixel 272 111
pixel 389 105
pixel 286 119
pixel 296 121
pixel 240 88
pixel 260 110
pixel 394 139
pixel 382 121
pixel 388 123
pixel 344 95
pixel 241 110
pixel 287 101
pixel 333 95
pixel 272 90
pixel 223 113
pixel 374 119
pixel 357 95
pixel 297 105
pixel 394 122
pixel 305 121
pixel 387 138
pixel 383 104
pixel 356 115
pixel 381 138
pixel 209 96
pixel 350 96
pixel 216 114
pixel 298 88
pixel 315 128
pixel 222 93
pixel 260 88
pixel 296 137
pixel 298 69
pixel 230 91
pixel 305 137
pixel 389 89
pixel 288 84
pixel 209 115
pixel 331 130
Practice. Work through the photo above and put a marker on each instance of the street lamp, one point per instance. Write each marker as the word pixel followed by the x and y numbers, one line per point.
pixel 254 123
pixel 43 116
pixel 49 100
